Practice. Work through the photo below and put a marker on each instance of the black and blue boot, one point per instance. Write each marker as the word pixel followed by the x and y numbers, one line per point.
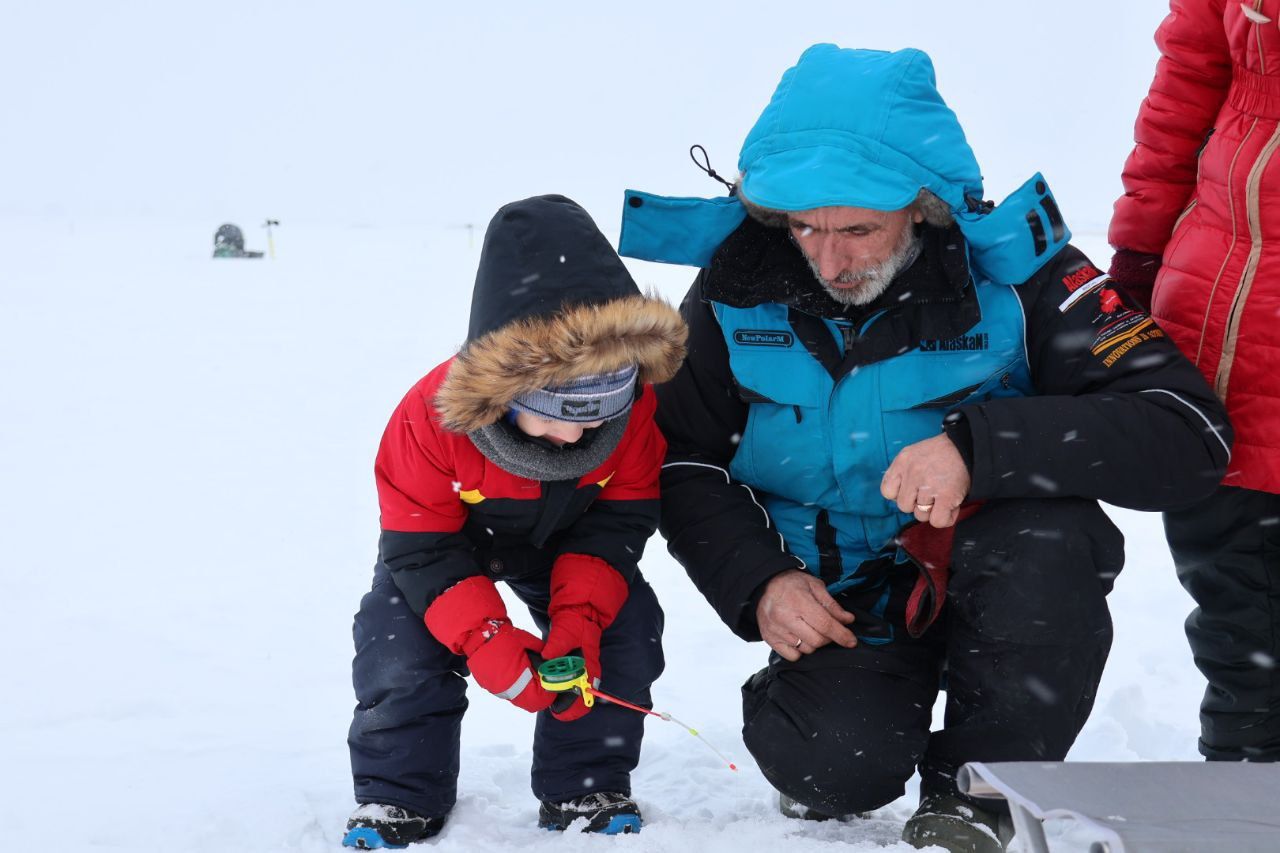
pixel 375 826
pixel 606 813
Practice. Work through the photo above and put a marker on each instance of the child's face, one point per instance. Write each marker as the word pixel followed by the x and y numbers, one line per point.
pixel 557 432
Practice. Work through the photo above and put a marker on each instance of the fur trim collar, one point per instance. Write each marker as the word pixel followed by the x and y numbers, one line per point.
pixel 577 341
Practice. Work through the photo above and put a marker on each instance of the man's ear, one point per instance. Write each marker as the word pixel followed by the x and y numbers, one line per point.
pixel 917 214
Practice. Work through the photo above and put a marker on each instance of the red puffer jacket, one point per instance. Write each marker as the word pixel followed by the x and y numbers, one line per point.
pixel 1202 191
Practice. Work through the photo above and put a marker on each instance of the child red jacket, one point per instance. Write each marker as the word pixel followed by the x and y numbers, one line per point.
pixel 449 513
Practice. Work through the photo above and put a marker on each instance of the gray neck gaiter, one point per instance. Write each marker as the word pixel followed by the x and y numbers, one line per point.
pixel 504 445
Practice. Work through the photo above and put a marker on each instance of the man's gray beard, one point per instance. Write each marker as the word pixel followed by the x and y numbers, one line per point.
pixel 875 281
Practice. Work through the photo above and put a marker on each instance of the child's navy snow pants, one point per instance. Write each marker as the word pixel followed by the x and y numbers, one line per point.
pixel 411 695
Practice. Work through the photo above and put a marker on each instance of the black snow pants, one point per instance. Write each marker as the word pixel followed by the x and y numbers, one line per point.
pixel 1020 645
pixel 1227 553
pixel 411 696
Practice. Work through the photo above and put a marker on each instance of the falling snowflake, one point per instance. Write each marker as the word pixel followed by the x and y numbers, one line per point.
pixel 1043 483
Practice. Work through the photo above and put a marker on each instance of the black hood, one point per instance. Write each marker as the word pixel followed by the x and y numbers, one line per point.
pixel 552 303
pixel 539 256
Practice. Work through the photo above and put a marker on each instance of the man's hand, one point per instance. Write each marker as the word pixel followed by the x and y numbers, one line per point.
pixel 928 479
pixel 797 615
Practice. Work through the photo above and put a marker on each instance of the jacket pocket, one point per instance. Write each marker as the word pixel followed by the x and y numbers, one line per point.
pixel 913 413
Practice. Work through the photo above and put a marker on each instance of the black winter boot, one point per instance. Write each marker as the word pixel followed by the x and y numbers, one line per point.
pixel 606 813
pixel 375 826
pixel 958 826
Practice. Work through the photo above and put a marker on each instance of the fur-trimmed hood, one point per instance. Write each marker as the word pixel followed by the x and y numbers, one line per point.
pixel 552 303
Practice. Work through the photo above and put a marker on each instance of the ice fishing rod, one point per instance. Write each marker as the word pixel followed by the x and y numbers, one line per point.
pixel 569 674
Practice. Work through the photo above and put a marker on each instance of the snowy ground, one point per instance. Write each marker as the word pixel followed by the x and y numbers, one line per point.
pixel 188 518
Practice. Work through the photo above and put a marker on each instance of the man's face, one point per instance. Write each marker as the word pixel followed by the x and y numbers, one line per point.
pixel 854 251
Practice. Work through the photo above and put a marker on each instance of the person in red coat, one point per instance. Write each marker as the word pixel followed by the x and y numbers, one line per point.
pixel 1197 237
pixel 532 458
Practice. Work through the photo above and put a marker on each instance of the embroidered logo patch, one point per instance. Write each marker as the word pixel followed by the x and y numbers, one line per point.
pixel 1078 291
pixel 964 343
pixel 1082 276
pixel 578 411
pixel 1118 331
pixel 763 338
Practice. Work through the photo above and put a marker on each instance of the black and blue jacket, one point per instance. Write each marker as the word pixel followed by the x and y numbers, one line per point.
pixel 790 407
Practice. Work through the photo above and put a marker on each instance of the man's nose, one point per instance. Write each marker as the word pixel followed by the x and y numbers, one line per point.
pixel 831 260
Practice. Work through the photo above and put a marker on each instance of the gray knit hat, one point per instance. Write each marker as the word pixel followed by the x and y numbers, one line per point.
pixel 598 397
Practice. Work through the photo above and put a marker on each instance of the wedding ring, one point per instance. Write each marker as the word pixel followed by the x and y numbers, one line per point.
pixel 799 643
pixel 923 507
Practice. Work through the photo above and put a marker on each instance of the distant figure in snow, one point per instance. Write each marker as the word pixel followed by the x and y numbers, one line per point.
pixel 880 361
pixel 531 457
pixel 1197 238
pixel 228 242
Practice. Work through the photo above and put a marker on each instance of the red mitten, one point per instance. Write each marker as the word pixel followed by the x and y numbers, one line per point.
pixel 470 618
pixel 586 595
pixel 929 548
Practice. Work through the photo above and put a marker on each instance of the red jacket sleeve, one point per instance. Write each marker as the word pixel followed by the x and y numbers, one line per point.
pixel 1191 82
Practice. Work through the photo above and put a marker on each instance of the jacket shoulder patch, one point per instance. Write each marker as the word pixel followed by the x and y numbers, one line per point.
pixel 1078 289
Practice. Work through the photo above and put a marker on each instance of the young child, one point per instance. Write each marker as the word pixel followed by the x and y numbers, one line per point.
pixel 532 458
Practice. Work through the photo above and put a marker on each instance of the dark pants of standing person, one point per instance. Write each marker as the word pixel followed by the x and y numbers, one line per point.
pixel 1022 640
pixel 1227 553
pixel 411 696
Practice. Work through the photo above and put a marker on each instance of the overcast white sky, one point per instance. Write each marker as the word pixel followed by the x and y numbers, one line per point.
pixel 436 113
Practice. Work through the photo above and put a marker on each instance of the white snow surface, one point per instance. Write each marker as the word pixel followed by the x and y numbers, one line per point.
pixel 188 516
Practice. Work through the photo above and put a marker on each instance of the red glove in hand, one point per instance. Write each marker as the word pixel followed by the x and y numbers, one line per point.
pixel 586 595
pixel 929 548
pixel 470 618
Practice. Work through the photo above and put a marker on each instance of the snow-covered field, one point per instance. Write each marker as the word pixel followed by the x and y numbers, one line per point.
pixel 189 520
pixel 187 511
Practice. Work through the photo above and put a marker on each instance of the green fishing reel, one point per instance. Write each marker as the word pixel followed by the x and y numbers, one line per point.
pixel 565 674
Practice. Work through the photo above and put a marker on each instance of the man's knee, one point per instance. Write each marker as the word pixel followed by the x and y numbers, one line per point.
pixel 842 761
pixel 1036 571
